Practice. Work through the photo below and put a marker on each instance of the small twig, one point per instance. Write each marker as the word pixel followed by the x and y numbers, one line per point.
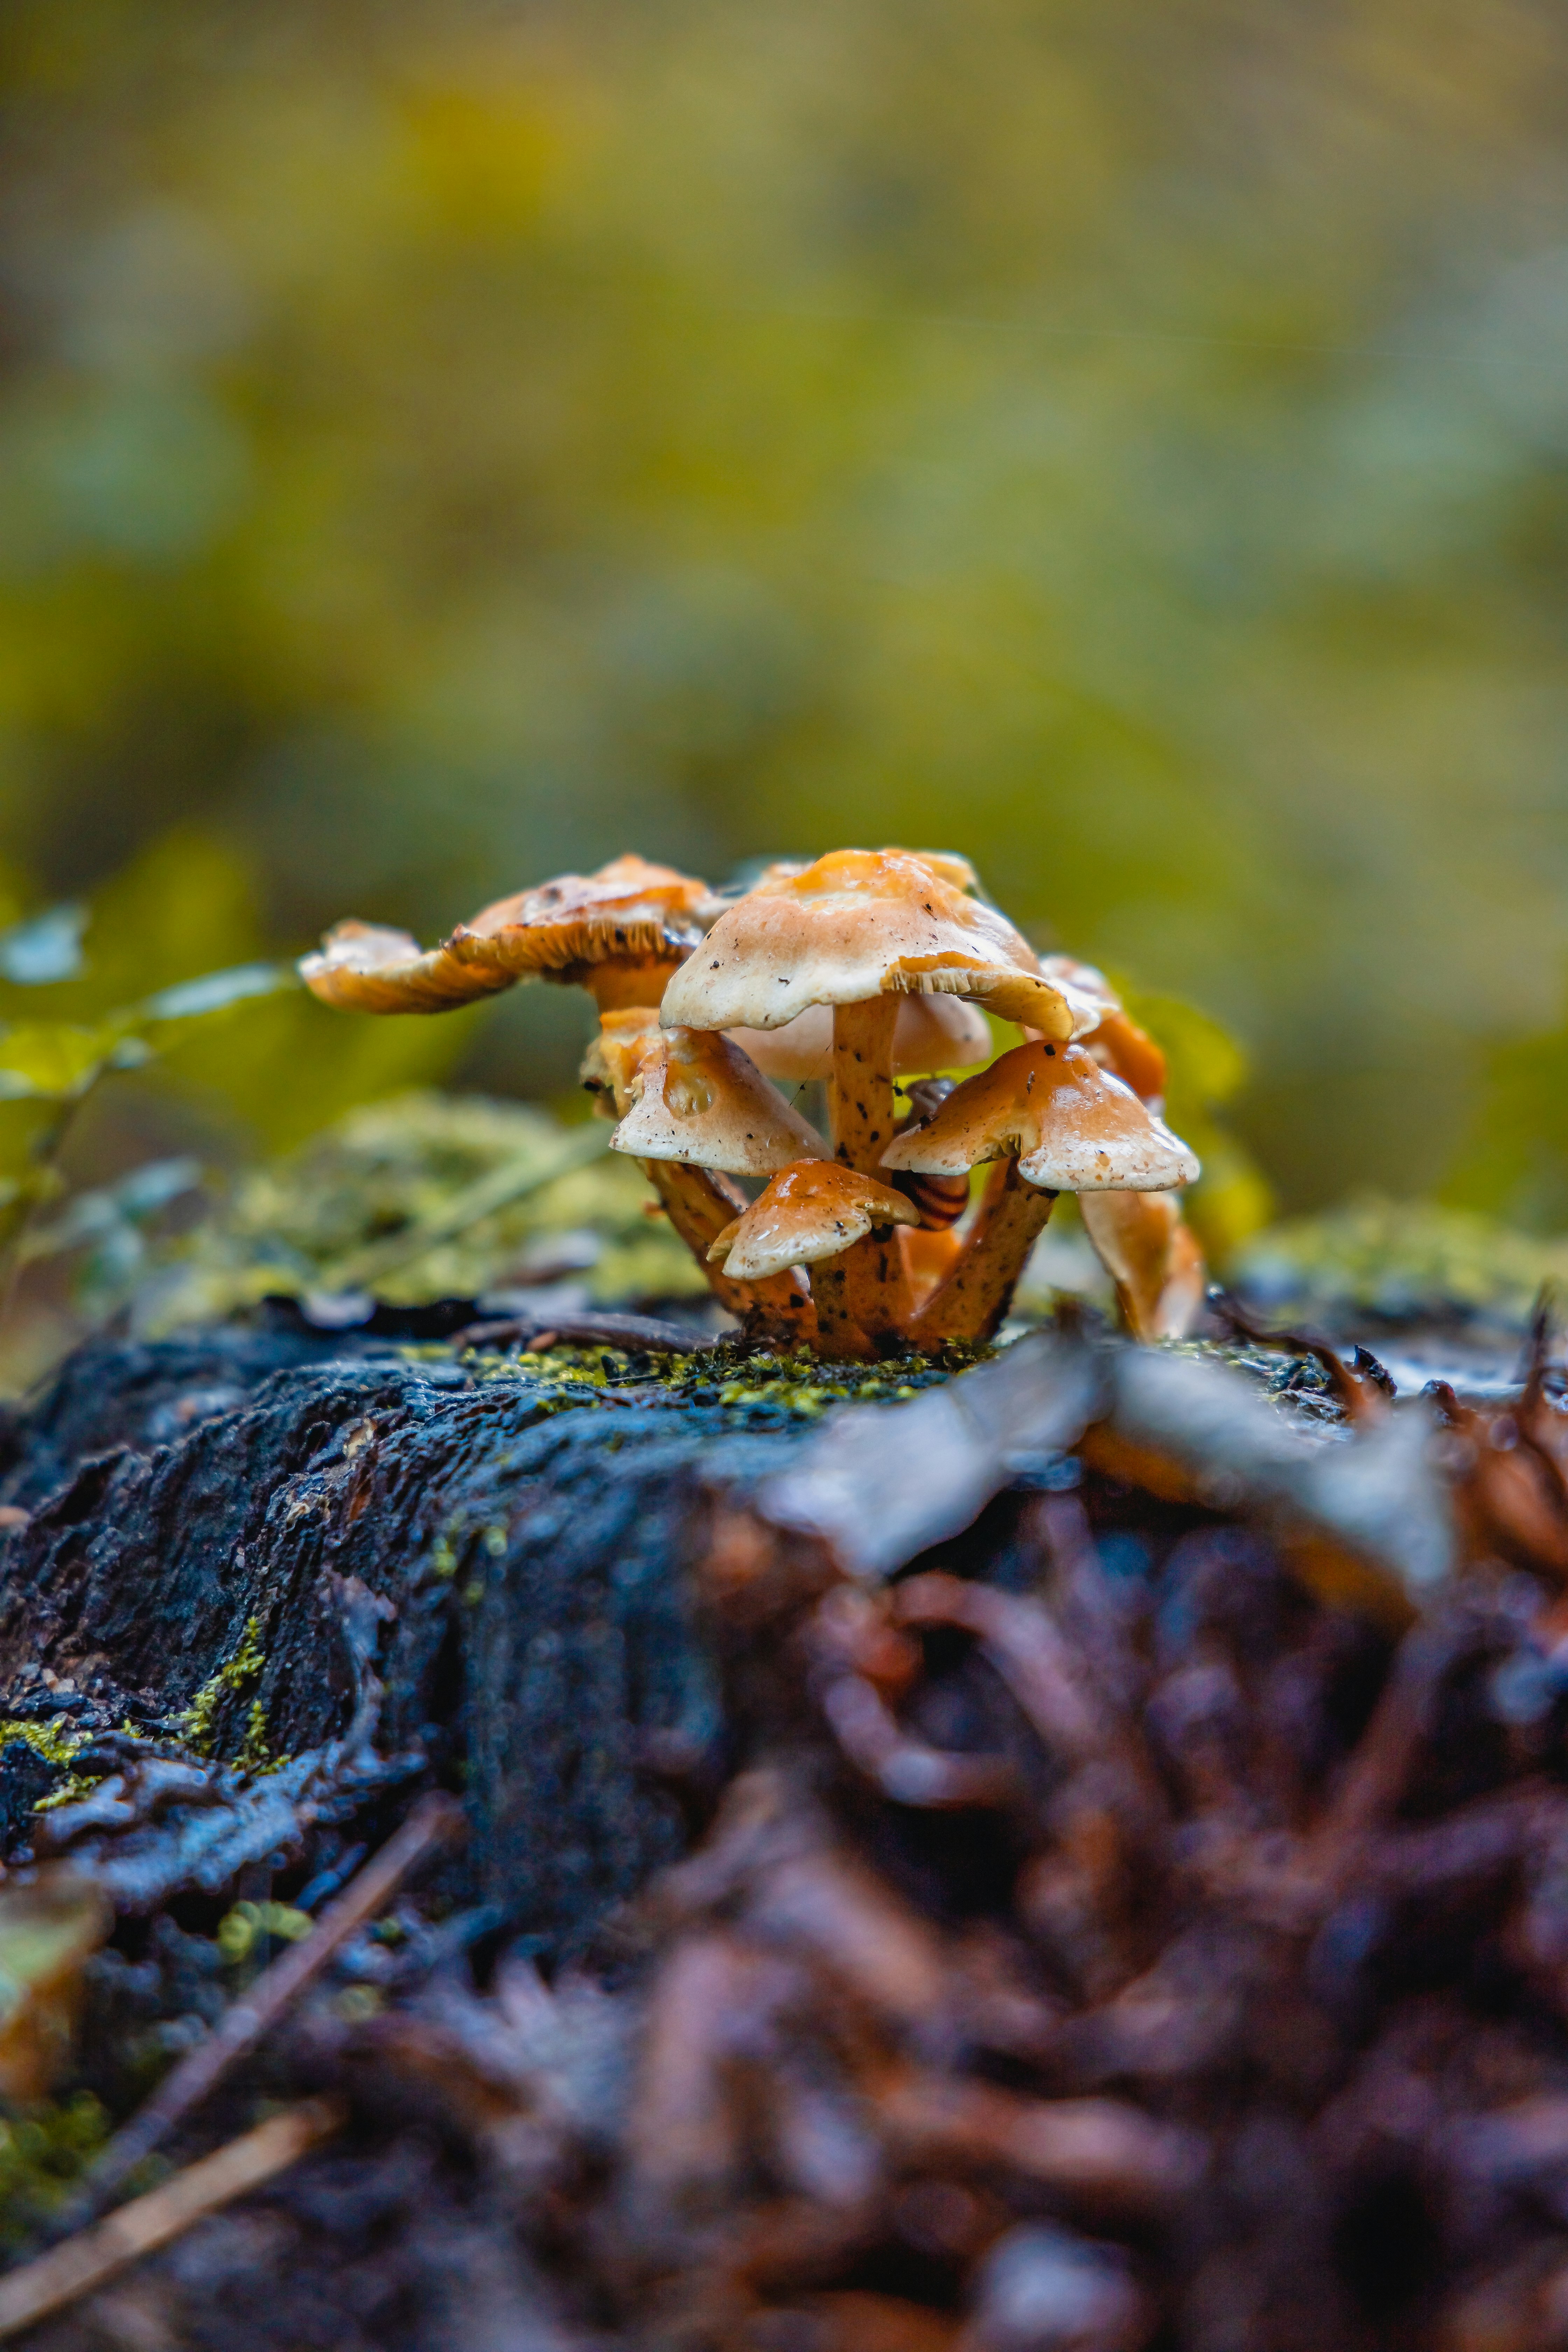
pixel 1348 1390
pixel 607 1331
pixel 434 1821
pixel 97 2255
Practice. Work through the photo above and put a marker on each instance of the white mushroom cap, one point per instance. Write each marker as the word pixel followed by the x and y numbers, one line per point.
pixel 933 1032
pixel 697 1099
pixel 1072 1127
pixel 856 924
pixel 810 1211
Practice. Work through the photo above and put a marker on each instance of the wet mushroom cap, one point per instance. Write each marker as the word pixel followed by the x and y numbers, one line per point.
pixel 1072 1125
pixel 859 924
pixel 368 968
pixel 697 1099
pixel 623 930
pixel 933 1032
pixel 811 1209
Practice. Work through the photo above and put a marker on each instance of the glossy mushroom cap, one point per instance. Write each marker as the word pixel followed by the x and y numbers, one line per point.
pixel 860 924
pixel 933 1032
pixel 367 968
pixel 697 1099
pixel 811 1209
pixel 1072 1127
pixel 621 932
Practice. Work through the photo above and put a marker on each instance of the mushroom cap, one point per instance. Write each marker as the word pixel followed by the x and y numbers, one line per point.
pixel 368 968
pixel 811 1209
pixel 1073 1126
pixel 858 924
pixel 932 1033
pixel 639 918
pixel 629 911
pixel 698 1098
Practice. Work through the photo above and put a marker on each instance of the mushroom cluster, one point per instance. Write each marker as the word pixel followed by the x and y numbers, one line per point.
pixel 872 972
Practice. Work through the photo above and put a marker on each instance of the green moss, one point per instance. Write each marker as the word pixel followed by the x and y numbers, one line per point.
pixel 198 1723
pixel 53 1740
pixel 1398 1261
pixel 43 2154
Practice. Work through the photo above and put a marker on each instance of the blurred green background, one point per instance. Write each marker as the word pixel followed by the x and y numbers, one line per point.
pixel 445 444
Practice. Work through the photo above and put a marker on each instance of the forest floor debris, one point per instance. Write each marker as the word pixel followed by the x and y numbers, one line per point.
pixel 1128 1906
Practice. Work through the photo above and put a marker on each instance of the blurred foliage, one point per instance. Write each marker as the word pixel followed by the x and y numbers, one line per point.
pixel 1400 1261
pixel 48 1928
pixel 389 1173
pixel 1515 1158
pixel 439 445
pixel 1206 1070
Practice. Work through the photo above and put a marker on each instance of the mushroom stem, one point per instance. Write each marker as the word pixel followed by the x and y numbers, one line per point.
pixel 617 988
pixel 699 1205
pixel 1151 1256
pixel 976 1295
pixel 837 1332
pixel 877 1286
pixel 861 1090
pixel 862 1295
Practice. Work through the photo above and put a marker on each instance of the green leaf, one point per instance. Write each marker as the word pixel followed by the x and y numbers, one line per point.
pixel 58 1061
pixel 45 948
pixel 216 991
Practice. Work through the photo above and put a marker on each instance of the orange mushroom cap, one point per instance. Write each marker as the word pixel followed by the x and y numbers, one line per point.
pixel 858 924
pixel 811 1209
pixel 1072 1127
pixel 368 968
pixel 697 1098
pixel 623 930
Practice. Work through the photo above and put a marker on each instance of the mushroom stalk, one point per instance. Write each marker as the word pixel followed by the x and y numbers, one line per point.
pixel 1151 1256
pixel 971 1302
pixel 860 1091
pixel 838 1334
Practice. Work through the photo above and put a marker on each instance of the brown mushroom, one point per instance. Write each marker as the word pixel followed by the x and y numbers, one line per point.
pixel 1071 1126
pixel 808 1211
pixel 699 1200
pixel 1064 1125
pixel 856 930
pixel 696 1098
pixel 620 933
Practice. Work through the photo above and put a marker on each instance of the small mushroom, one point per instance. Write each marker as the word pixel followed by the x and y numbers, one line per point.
pixel 1063 1124
pixel 697 1099
pixel 620 933
pixel 809 1211
pixel 1071 1126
